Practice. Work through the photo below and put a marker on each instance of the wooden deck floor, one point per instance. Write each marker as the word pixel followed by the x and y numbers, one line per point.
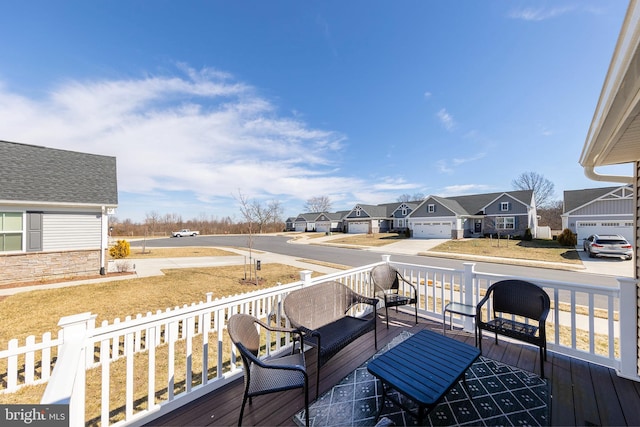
pixel 583 394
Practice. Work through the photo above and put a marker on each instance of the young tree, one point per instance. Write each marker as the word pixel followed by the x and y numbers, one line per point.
pixel 318 204
pixel 542 187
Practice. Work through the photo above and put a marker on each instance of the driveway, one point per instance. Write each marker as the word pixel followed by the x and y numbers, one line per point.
pixel 606 266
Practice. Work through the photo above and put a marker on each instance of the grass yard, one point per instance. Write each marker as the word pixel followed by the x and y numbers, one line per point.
pixel 535 250
pixel 191 251
pixel 375 239
pixel 37 312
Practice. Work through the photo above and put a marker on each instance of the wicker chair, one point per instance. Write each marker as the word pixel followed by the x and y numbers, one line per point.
pixel 517 298
pixel 320 312
pixel 263 376
pixel 386 281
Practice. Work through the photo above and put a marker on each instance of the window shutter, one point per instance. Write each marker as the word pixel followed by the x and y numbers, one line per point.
pixel 34 231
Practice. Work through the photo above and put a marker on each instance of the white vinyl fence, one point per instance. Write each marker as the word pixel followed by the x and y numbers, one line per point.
pixel 131 371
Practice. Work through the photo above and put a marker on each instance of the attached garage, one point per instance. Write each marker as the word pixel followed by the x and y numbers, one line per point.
pixel 357 227
pixel 323 227
pixel 432 230
pixel 586 228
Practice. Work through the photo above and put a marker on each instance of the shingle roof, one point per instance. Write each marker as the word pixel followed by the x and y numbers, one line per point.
pixel 39 174
pixel 573 199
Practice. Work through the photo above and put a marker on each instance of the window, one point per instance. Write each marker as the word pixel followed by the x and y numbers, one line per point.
pixel 11 231
pixel 504 206
pixel 431 208
pixel 506 223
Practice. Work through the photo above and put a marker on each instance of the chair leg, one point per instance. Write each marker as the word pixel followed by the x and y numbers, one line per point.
pixel 479 338
pixel 306 400
pixel 318 375
pixel 244 401
pixel 416 309
pixel 542 359
pixel 386 313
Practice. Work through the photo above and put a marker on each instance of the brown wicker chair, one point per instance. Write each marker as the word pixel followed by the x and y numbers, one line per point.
pixel 320 312
pixel 519 298
pixel 386 281
pixel 263 376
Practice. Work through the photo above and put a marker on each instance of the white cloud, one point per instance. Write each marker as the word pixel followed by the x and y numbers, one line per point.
pixel 448 166
pixel 427 95
pixel 446 119
pixel 539 14
pixel 464 189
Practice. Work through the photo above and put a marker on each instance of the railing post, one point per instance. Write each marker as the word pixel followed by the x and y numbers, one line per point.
pixel 467 293
pixel 628 329
pixel 305 277
pixel 386 258
pixel 67 383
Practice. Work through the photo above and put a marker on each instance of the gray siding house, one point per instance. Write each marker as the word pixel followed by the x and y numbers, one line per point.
pixel 507 213
pixel 367 219
pixel 53 212
pixel 606 210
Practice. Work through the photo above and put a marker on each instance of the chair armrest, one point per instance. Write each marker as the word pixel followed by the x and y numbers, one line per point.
pixel 263 365
pixel 415 290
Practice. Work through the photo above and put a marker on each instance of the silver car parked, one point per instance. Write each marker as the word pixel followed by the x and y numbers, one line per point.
pixel 611 245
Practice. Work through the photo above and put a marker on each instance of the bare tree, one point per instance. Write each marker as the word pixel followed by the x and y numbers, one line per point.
pixel 151 220
pixel 275 207
pixel 410 198
pixel 404 198
pixel 542 187
pixel 318 204
pixel 551 214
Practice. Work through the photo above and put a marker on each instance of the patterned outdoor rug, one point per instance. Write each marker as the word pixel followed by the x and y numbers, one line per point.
pixel 500 395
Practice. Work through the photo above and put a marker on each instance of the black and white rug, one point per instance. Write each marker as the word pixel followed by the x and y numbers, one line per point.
pixel 500 395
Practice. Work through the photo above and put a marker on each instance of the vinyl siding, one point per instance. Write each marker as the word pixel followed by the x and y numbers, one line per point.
pixel 606 207
pixel 69 231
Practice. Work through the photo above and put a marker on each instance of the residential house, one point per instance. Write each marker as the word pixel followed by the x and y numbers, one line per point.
pixel 328 222
pixel 53 212
pixel 306 221
pixel 605 210
pixel 507 213
pixel 367 219
pixel 290 224
pixel 614 134
pixel 400 213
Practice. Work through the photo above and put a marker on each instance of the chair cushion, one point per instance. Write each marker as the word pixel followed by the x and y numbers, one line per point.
pixel 276 379
pixel 337 335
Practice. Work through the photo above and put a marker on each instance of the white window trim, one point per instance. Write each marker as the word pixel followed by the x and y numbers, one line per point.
pixel 431 208
pixel 22 232
pixel 504 206
pixel 502 223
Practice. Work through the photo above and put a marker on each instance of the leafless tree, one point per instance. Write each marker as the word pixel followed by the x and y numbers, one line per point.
pixel 151 220
pixel 542 187
pixel 318 204
pixel 275 207
pixel 551 214
pixel 409 198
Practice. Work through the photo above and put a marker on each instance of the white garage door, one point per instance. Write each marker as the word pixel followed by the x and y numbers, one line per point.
pixel 359 227
pixel 432 230
pixel 301 226
pixel 323 227
pixel 585 228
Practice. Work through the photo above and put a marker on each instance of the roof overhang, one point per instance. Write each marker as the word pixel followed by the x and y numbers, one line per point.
pixel 614 134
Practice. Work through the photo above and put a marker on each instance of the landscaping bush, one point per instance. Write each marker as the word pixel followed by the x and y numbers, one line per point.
pixel 528 236
pixel 121 249
pixel 567 238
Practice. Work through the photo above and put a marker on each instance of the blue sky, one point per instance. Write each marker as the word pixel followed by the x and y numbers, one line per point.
pixel 361 101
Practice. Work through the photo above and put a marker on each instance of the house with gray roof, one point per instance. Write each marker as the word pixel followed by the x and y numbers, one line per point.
pixel 328 222
pixel 506 213
pixel 53 212
pixel 368 219
pixel 306 221
pixel 605 210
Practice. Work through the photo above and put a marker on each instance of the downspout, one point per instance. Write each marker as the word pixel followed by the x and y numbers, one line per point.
pixel 592 174
pixel 103 240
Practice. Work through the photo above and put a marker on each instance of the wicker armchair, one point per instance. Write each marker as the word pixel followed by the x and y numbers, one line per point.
pixel 263 376
pixel 386 282
pixel 518 298
pixel 320 312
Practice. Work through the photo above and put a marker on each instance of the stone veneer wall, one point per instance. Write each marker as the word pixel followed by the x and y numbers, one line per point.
pixel 41 266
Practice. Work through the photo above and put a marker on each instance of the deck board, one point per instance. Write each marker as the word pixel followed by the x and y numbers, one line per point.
pixel 582 393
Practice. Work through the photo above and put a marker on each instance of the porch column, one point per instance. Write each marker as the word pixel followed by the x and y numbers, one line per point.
pixel 628 329
pixel 467 293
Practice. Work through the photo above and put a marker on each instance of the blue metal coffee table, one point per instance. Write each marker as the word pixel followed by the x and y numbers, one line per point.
pixel 423 368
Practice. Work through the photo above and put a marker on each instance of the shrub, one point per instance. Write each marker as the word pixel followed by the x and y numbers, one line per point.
pixel 528 236
pixel 567 238
pixel 121 249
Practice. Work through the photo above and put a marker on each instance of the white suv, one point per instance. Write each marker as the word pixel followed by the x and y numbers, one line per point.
pixel 611 245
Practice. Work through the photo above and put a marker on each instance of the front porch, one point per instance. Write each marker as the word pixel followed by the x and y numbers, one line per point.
pixel 582 393
pixel 180 358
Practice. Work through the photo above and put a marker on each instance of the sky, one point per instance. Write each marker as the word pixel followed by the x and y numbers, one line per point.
pixel 207 102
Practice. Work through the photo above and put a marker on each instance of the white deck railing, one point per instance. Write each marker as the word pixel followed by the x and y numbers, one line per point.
pixel 130 372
